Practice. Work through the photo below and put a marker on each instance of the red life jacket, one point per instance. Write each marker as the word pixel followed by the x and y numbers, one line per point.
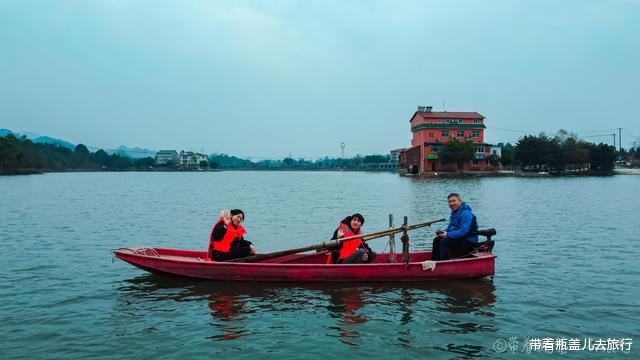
pixel 224 245
pixel 349 246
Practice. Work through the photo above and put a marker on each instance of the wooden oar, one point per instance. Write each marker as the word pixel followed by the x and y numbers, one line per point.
pixel 325 245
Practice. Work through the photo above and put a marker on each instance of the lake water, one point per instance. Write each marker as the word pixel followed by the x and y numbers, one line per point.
pixel 567 267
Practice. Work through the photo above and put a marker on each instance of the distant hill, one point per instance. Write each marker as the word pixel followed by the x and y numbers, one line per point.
pixel 134 153
pixel 53 141
pixel 5 132
pixel 38 139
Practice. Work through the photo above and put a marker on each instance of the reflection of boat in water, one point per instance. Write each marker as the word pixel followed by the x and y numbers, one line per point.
pixel 346 311
pixel 455 297
pixel 306 267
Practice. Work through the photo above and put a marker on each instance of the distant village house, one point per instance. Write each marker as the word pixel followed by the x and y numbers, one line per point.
pixel 395 155
pixel 165 156
pixel 190 160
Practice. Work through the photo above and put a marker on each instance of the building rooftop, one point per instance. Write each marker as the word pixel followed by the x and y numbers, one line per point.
pixel 447 115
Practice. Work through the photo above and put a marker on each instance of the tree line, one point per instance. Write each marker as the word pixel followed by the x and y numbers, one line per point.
pixel 23 155
pixel 563 153
pixel 560 154
pixel 327 163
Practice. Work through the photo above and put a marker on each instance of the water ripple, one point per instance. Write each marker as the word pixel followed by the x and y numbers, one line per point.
pixel 566 266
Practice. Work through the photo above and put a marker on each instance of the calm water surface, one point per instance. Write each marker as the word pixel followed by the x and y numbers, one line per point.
pixel 567 266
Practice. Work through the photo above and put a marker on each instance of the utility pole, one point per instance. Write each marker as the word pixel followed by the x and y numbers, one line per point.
pixel 614 140
pixel 342 145
pixel 620 139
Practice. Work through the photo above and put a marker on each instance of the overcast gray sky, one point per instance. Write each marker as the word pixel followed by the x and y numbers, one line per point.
pixel 269 78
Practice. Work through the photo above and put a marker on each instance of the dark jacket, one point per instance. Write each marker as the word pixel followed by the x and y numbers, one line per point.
pixel 461 223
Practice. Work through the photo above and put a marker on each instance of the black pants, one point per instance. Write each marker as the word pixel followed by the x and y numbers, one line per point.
pixel 356 257
pixel 445 249
pixel 234 253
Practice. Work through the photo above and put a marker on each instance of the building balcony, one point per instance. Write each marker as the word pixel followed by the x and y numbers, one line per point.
pixel 447 126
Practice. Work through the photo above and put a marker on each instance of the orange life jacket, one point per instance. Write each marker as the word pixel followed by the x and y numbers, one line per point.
pixel 224 245
pixel 349 246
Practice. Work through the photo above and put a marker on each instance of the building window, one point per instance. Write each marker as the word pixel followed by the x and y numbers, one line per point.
pixel 475 121
pixel 475 133
pixel 495 152
pixel 430 134
pixel 460 133
pixel 434 149
pixel 445 133
pixel 475 162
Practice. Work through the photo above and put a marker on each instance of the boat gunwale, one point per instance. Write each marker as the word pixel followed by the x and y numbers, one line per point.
pixel 475 257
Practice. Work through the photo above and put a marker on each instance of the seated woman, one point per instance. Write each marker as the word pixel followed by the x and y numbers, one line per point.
pixel 354 251
pixel 226 240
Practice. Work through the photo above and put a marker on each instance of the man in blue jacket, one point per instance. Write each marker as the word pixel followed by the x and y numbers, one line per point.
pixel 459 238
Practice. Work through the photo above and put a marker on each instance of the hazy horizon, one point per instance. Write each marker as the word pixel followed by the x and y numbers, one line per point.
pixel 269 79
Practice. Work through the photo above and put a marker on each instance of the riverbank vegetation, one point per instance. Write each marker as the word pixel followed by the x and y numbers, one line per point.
pixel 21 155
pixel 561 154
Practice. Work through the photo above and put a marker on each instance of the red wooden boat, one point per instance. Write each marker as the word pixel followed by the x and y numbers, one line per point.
pixel 307 267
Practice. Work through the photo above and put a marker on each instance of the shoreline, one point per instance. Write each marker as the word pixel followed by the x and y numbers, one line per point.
pixel 478 174
pixel 467 174
pixel 625 171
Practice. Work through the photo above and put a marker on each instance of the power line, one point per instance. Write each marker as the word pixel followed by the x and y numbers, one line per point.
pixel 595 131
pixel 590 136
pixel 533 132
pixel 512 130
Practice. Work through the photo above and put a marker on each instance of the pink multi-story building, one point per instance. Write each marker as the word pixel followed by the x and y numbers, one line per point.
pixel 431 129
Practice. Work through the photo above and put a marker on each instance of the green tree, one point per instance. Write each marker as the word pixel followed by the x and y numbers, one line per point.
pixel 80 156
pixel 172 165
pixel 602 158
pixel 494 160
pixel 117 162
pixel 81 149
pixel 577 153
pixel 508 154
pixel 203 164
pixel 9 153
pixel 288 162
pixel 457 152
pixel 100 157
pixel 144 163
pixel 539 151
pixel 375 159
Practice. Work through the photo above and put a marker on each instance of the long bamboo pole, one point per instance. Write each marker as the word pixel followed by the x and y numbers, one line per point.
pixel 326 245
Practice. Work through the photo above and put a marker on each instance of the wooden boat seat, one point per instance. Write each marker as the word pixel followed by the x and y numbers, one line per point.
pixel 487 245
